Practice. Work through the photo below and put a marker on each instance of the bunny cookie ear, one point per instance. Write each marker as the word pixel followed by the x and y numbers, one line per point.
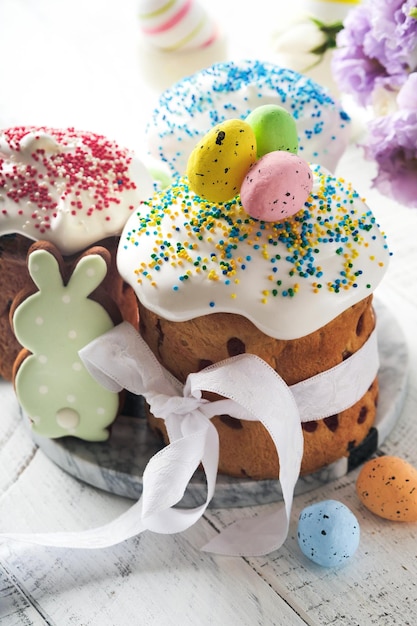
pixel 93 283
pixel 45 266
pixel 89 272
pixel 51 276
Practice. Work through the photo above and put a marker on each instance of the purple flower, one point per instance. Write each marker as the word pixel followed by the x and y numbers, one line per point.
pixel 407 96
pixel 353 70
pixel 377 48
pixel 395 33
pixel 392 143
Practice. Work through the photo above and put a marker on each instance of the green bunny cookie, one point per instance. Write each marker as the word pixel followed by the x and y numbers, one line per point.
pixel 52 384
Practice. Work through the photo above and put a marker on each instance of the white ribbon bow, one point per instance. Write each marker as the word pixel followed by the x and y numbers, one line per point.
pixel 251 390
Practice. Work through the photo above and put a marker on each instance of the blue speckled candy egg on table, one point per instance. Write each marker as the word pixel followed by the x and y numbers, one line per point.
pixel 328 533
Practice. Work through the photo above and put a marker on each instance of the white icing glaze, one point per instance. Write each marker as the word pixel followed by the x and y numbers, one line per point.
pixel 191 107
pixel 188 257
pixel 68 187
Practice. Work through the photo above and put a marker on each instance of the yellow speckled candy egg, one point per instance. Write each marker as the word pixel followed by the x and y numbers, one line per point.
pixel 387 486
pixel 219 162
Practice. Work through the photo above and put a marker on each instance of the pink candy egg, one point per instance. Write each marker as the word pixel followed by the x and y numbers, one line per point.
pixel 276 186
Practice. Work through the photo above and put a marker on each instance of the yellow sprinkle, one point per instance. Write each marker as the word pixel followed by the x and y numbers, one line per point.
pixel 213 275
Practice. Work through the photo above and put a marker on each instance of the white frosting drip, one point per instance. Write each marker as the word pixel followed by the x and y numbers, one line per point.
pixel 189 109
pixel 187 258
pixel 67 187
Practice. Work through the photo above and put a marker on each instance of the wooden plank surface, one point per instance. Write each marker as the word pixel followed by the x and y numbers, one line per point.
pixel 79 63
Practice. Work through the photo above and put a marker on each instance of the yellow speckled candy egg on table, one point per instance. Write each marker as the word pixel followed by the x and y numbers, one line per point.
pixel 219 162
pixel 387 486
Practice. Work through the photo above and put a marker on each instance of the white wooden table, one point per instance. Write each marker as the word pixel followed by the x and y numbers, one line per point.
pixel 79 63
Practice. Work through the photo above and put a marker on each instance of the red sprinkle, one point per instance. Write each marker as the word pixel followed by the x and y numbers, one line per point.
pixel 85 162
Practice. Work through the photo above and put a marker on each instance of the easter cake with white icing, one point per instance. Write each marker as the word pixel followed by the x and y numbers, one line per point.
pixel 71 188
pixel 234 258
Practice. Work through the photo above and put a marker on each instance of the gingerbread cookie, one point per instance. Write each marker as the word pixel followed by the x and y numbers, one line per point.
pixel 52 384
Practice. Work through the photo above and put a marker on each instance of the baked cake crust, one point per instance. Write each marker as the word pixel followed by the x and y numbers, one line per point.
pixel 246 448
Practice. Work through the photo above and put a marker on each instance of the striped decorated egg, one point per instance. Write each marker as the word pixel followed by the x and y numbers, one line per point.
pixel 173 25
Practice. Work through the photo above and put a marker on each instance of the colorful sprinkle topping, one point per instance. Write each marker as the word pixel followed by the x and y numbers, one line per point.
pixel 187 257
pixel 73 162
pixel 188 109
pixel 48 175
pixel 328 217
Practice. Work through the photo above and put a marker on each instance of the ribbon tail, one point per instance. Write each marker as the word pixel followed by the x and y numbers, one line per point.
pixel 262 396
pixel 169 471
pixel 173 520
pixel 160 490
pixel 127 525
pixel 255 536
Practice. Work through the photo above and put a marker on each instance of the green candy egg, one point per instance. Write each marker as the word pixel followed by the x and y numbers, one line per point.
pixel 274 129
pixel 219 162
